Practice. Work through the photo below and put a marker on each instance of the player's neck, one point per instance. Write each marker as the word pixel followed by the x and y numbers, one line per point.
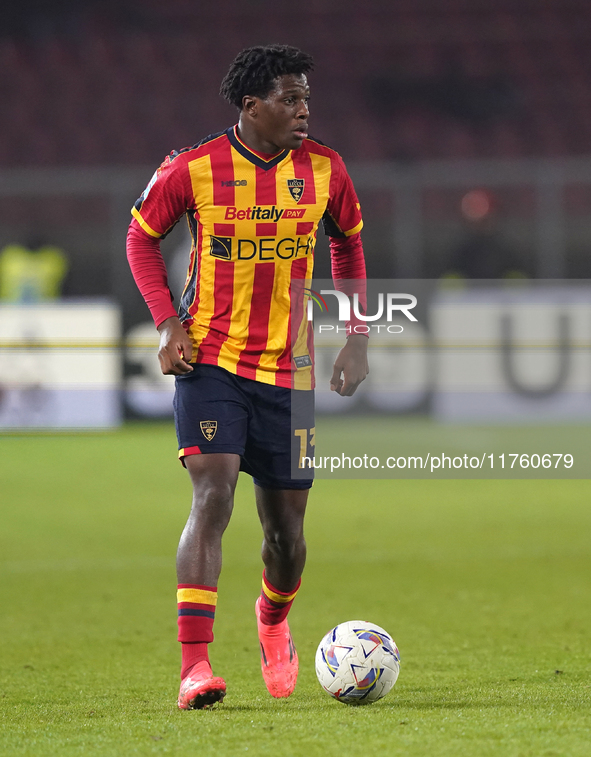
pixel 253 141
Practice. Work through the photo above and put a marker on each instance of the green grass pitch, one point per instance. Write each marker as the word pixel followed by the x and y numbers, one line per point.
pixel 484 585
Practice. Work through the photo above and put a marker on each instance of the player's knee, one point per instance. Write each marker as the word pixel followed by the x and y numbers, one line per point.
pixel 285 544
pixel 212 503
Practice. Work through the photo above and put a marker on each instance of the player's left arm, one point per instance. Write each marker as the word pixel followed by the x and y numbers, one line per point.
pixel 351 366
pixel 348 272
pixel 343 223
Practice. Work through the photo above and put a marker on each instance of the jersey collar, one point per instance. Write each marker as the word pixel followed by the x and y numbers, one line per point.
pixel 251 156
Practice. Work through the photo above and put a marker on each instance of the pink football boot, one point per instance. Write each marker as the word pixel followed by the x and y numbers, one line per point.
pixel 200 689
pixel 279 659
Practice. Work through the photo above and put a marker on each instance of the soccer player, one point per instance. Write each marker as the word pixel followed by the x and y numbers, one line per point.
pixel 240 345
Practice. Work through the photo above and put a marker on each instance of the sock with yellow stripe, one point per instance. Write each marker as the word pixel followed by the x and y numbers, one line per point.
pixel 275 604
pixel 196 612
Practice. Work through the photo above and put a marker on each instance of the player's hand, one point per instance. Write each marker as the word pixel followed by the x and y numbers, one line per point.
pixel 352 363
pixel 175 349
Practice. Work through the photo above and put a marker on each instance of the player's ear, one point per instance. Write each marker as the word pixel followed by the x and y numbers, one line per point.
pixel 249 105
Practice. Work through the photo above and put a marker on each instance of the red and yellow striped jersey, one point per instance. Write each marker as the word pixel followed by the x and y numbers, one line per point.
pixel 253 221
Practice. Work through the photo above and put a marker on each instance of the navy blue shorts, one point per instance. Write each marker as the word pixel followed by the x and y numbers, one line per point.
pixel 270 427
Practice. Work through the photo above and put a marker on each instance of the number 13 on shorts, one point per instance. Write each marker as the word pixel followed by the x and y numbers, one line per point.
pixel 307 443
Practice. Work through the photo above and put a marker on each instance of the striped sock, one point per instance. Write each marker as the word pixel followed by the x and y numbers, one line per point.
pixel 196 612
pixel 275 604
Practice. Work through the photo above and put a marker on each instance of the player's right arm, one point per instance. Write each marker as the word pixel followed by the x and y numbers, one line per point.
pixel 163 202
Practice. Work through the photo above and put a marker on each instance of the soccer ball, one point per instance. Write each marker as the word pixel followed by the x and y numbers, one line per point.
pixel 357 662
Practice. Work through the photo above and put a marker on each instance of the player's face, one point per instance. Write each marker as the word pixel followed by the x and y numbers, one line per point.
pixel 282 117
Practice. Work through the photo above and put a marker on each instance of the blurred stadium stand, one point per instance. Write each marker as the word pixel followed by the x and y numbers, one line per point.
pixel 425 99
pixel 120 83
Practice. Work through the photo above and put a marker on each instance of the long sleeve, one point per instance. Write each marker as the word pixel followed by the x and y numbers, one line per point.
pixel 347 260
pixel 149 272
pixel 349 276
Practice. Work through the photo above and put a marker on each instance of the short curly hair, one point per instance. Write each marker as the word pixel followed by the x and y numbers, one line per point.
pixel 254 70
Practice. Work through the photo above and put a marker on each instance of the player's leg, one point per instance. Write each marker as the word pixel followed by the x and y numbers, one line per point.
pixel 211 421
pixel 199 556
pixel 279 419
pixel 281 512
pixel 199 562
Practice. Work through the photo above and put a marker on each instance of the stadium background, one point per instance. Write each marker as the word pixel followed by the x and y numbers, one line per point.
pixel 482 584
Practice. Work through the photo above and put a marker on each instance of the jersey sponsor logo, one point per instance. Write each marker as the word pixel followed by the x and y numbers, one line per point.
pixel 260 213
pixel 208 429
pixel 261 249
pixel 235 183
pixel 296 188
pixel 221 247
pixel 271 249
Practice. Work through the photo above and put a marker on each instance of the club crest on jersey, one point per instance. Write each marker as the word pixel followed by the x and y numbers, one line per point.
pixel 296 188
pixel 208 429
